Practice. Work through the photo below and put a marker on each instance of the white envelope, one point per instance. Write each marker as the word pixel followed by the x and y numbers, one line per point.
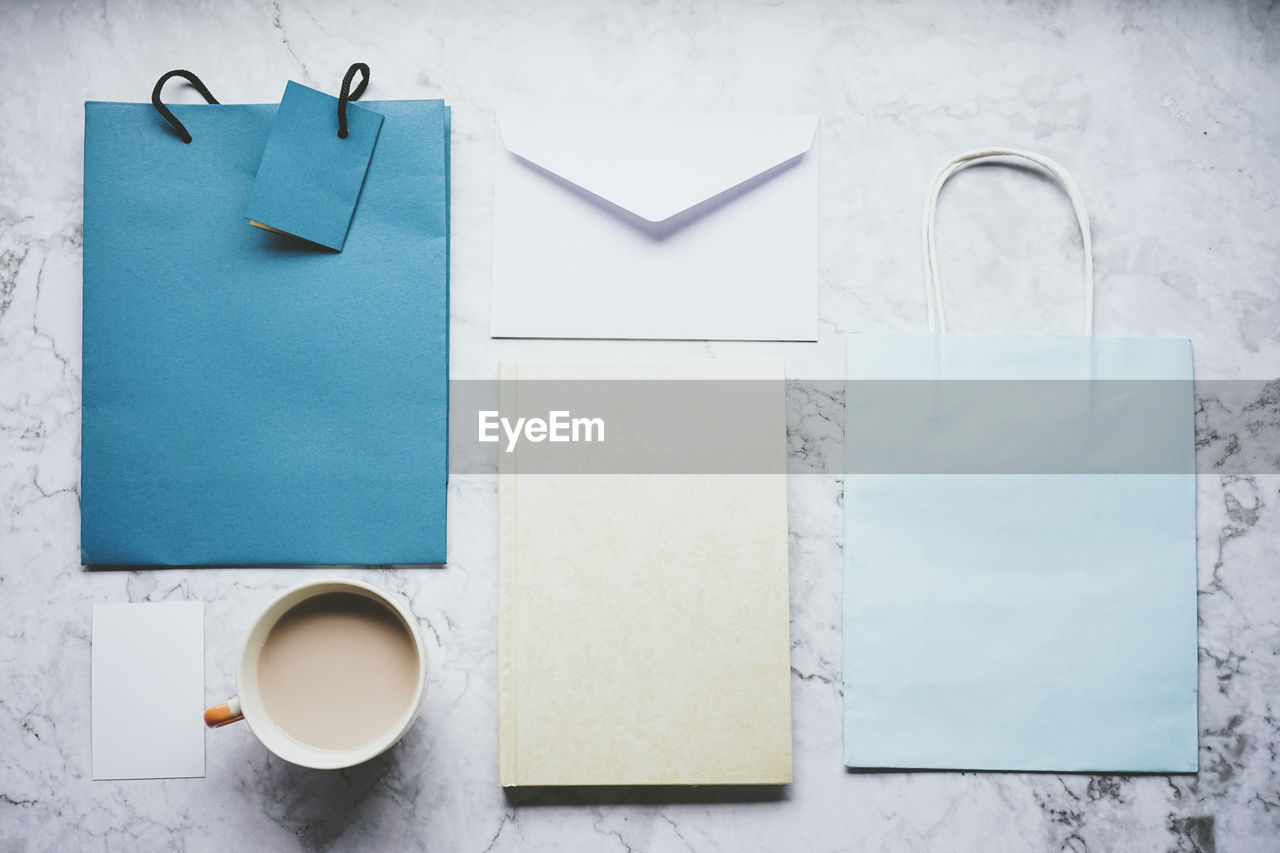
pixel 681 227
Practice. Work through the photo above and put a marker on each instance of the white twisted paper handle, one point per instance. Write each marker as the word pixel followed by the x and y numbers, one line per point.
pixel 932 286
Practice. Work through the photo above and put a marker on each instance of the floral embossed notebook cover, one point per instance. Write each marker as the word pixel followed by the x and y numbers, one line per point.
pixel 644 619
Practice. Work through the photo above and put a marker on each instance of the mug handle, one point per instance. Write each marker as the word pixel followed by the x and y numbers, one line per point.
pixel 224 713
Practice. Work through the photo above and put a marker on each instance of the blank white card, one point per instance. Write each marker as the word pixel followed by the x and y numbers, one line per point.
pixel 148 690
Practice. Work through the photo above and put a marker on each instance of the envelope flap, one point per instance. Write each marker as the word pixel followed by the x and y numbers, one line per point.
pixel 656 166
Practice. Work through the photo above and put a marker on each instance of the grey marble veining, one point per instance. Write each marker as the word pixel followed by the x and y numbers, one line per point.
pixel 1166 113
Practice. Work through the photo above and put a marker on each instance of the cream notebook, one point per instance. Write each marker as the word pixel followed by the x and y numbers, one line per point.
pixel 644 621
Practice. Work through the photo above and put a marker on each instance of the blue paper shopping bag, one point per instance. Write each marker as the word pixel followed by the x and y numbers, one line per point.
pixel 249 397
pixel 1020 563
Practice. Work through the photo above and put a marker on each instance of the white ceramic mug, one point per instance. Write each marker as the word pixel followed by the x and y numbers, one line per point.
pixel 248 705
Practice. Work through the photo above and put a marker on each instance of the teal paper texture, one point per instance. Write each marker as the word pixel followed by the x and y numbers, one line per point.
pixel 309 180
pixel 1011 621
pixel 250 398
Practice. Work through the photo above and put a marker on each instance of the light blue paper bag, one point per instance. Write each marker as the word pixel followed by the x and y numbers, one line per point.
pixel 1020 567
pixel 250 398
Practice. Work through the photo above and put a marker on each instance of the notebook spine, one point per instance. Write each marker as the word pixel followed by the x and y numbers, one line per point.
pixel 508 773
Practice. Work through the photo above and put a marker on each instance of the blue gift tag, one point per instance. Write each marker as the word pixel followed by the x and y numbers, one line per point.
pixel 309 179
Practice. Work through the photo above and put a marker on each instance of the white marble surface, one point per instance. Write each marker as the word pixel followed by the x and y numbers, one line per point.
pixel 1167 113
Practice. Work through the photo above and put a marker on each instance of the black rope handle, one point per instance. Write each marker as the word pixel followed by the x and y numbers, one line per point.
pixel 168 113
pixel 348 95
